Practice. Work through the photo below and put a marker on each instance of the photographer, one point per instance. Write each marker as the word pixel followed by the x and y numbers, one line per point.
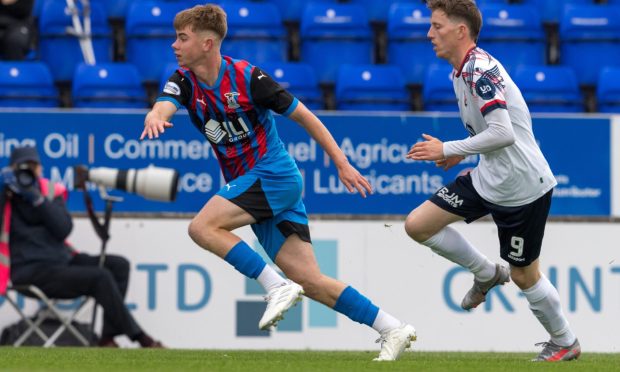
pixel 39 255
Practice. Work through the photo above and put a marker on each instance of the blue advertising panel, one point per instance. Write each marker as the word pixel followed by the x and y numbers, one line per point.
pixel 579 153
pixel 375 144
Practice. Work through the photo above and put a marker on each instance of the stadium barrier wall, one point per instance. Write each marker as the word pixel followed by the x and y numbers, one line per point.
pixel 190 299
pixel 577 147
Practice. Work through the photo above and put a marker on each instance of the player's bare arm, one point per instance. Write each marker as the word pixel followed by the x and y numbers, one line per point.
pixel 449 162
pixel 157 120
pixel 350 177
pixel 429 149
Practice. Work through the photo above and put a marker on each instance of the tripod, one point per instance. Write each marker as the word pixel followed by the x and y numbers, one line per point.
pixel 102 229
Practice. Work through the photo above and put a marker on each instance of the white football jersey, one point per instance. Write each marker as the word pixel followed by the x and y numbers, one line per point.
pixel 495 113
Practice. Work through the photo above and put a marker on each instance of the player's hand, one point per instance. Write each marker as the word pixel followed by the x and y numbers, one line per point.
pixel 153 127
pixel 448 162
pixel 430 149
pixel 353 180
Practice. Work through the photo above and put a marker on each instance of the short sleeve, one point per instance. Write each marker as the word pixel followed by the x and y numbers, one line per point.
pixel 268 93
pixel 177 90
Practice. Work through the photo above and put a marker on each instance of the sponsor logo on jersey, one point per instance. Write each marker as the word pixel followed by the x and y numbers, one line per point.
pixel 450 198
pixel 214 131
pixel 172 88
pixel 231 100
pixel 485 88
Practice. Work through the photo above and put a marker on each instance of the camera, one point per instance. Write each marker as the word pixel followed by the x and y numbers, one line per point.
pixel 152 182
pixel 24 176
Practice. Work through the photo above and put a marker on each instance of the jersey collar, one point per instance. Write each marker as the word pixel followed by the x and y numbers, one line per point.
pixel 219 77
pixel 465 59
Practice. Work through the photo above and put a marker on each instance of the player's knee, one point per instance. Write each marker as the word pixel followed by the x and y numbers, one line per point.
pixel 199 232
pixel 415 230
pixel 524 279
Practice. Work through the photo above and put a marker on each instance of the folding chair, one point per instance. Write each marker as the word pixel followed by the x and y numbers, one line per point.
pixel 51 309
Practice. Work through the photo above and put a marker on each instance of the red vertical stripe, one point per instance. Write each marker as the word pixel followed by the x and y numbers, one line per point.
pixel 235 161
pixel 261 139
pixel 226 87
pixel 226 170
pixel 249 154
pixel 211 100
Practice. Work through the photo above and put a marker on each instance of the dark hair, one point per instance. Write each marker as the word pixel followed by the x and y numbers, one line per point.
pixel 208 17
pixel 464 10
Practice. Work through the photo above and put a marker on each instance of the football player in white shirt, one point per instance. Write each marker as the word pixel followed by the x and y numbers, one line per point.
pixel 512 181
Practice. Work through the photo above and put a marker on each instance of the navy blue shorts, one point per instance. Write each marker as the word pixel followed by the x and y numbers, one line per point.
pixel 520 229
pixel 274 199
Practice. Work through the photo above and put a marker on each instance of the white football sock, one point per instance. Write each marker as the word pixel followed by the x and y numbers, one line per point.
pixel 450 244
pixel 269 278
pixel 545 304
pixel 384 322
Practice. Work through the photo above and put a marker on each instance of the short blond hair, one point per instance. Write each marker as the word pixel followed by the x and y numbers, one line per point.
pixel 208 17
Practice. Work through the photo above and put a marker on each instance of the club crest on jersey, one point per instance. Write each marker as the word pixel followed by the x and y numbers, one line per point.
pixel 231 100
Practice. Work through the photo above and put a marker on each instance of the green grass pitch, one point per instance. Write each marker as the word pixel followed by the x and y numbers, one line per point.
pixel 109 360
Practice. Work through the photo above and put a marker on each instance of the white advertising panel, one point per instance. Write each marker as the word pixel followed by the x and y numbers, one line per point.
pixel 188 298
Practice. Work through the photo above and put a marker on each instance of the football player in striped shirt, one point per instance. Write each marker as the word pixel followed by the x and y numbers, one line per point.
pixel 230 103
pixel 512 182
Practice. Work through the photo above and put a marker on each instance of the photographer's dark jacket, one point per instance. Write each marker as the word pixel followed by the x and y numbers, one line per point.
pixel 37 234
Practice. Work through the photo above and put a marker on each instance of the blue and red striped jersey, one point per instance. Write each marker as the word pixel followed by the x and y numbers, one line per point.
pixel 234 114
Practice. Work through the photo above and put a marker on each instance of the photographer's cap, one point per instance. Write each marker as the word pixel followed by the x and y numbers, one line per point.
pixel 24 154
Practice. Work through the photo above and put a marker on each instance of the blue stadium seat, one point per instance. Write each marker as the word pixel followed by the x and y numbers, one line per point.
pixel 109 85
pixel 551 10
pixel 608 90
pixel 255 32
pixel 407 44
pixel 438 91
pixel 332 35
pixel 549 88
pixel 589 39
pixel 114 8
pixel 299 79
pixel 60 50
pixel 513 34
pixel 292 10
pixel 168 71
pixel 26 84
pixel 378 11
pixel 371 88
pixel 150 34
